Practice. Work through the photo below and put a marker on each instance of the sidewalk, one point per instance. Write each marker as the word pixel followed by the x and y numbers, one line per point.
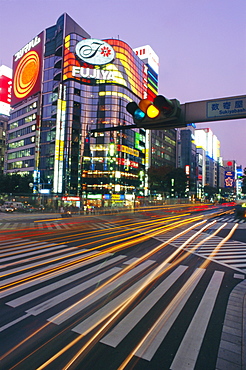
pixel 232 350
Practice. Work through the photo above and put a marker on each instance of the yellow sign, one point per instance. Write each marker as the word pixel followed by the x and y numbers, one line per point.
pixel 126 149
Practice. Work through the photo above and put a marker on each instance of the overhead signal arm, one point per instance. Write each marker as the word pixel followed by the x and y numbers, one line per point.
pixel 160 113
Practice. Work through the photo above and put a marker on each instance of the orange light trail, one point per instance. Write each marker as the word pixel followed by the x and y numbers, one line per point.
pixel 119 310
pixel 174 303
pixel 113 249
pixel 116 276
pixel 124 305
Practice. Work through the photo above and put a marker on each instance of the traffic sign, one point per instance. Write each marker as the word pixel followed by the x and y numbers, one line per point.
pixel 226 108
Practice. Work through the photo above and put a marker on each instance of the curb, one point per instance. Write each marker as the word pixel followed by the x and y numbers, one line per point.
pixel 232 351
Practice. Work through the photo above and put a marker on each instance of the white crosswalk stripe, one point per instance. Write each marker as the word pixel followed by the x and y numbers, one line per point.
pixel 184 358
pixel 125 326
pixel 231 220
pixel 64 315
pixel 235 250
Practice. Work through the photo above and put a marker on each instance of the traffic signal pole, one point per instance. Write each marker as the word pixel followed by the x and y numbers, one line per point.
pixel 164 113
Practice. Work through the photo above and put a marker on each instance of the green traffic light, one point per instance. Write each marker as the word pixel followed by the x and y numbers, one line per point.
pixel 135 111
pixel 139 115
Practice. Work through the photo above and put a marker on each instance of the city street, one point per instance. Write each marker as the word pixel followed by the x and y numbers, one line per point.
pixel 150 289
pixel 122 186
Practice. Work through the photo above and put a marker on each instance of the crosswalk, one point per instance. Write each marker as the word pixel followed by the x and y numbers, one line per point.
pixel 232 253
pixel 92 290
pixel 54 225
pixel 231 220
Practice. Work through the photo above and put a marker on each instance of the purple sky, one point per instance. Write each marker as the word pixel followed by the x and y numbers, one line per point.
pixel 201 45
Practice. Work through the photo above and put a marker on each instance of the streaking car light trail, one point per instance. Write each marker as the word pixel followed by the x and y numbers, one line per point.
pixel 113 249
pixel 120 310
pixel 171 307
pixel 113 315
pixel 113 278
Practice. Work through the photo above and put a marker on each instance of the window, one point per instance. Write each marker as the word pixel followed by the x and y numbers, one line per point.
pixel 77 92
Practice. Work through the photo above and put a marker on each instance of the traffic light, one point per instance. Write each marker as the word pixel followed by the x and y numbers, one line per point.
pixel 161 113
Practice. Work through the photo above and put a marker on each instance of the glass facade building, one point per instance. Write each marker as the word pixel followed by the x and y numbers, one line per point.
pixel 66 109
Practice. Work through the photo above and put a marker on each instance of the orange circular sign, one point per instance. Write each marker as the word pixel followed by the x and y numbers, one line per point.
pixel 26 74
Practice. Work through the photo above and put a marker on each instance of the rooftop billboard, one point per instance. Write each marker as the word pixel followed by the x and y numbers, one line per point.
pixel 27 63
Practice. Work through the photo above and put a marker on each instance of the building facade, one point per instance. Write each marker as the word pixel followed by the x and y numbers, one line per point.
pixel 69 97
pixel 160 144
pixel 187 157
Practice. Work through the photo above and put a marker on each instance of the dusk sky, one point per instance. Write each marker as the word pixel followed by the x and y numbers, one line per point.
pixel 201 45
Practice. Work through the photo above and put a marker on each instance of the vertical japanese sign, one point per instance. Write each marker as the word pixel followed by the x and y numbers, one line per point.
pixel 59 143
pixel 229 179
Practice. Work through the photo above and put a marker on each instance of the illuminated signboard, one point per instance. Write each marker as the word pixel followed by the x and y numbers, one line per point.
pixel 27 69
pixel 5 89
pixel 229 179
pixel 187 169
pixel 71 198
pixel 59 142
pixel 94 196
pixel 117 197
pixel 98 74
pixel 127 162
pixel 151 61
pixel 126 149
pixel 95 51
pixel 124 69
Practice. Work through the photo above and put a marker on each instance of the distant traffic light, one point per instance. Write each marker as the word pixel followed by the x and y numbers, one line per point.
pixel 161 113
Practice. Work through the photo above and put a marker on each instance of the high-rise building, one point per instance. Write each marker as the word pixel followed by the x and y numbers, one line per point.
pixel 187 156
pixel 69 97
pixel 160 144
pixel 205 139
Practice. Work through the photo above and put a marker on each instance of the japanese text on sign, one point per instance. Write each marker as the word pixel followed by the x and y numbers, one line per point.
pixel 226 108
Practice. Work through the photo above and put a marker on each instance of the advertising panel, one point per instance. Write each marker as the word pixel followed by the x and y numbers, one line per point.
pixel 5 89
pixel 93 61
pixel 27 70
pixel 229 179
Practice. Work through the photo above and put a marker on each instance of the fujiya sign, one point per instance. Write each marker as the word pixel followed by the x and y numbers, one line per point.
pixel 95 51
pixel 97 74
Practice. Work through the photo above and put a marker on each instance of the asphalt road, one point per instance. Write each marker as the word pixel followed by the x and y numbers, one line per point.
pixel 142 291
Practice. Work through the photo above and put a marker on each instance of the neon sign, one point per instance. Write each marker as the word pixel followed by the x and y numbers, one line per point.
pixel 126 149
pixel 95 51
pixel 97 74
pixel 27 68
pixel 26 74
pixel 68 198
pixel 229 179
